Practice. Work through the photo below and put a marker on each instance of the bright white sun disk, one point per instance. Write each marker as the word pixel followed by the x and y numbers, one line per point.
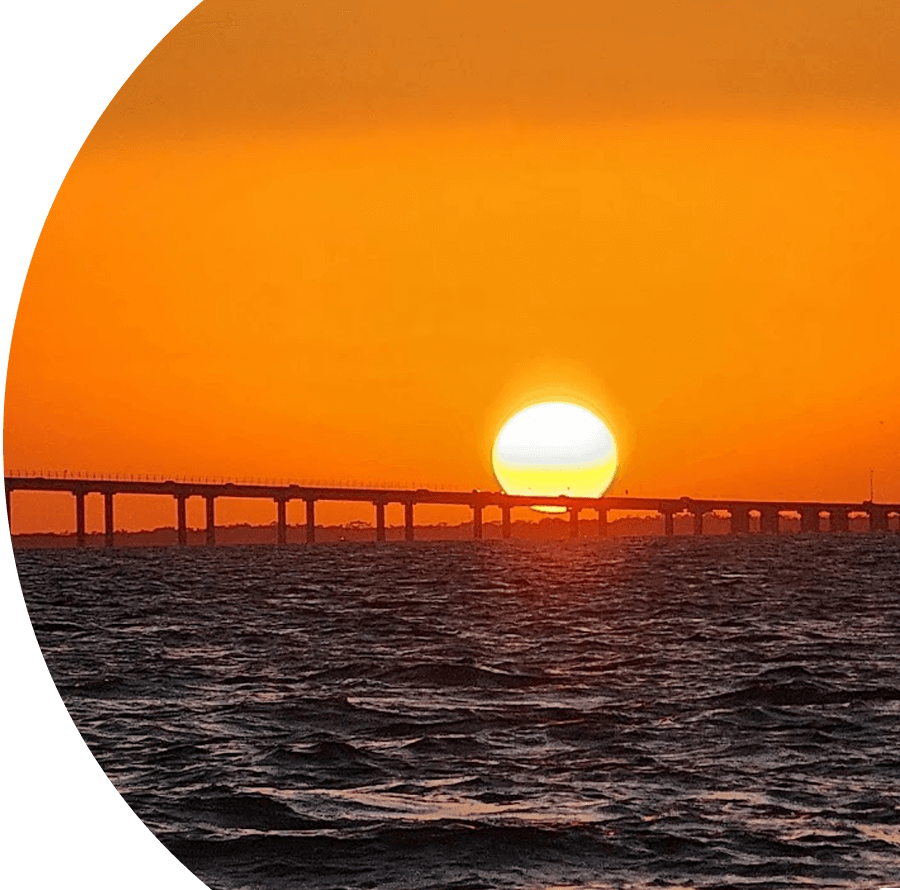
pixel 555 448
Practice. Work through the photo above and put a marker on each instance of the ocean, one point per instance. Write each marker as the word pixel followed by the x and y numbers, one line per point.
pixel 626 713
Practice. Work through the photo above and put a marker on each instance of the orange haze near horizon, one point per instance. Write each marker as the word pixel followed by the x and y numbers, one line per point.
pixel 346 242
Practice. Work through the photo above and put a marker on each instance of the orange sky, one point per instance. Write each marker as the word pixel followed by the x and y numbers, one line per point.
pixel 343 242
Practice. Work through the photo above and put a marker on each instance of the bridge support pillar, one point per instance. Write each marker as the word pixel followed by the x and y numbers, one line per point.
pixel 602 523
pixel 768 521
pixel 409 525
pixel 281 522
pixel 79 518
pixel 668 522
pixel 310 522
pixel 477 530
pixel 507 520
pixel 573 522
pixel 878 521
pixel 108 524
pixel 210 520
pixel 740 521
pixel 839 521
pixel 181 502
pixel 698 521
pixel 809 520
pixel 379 521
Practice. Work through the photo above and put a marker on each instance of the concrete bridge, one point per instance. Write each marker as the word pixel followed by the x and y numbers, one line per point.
pixel 769 512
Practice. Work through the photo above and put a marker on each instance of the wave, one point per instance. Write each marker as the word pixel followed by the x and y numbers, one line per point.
pixel 455 674
pixel 799 693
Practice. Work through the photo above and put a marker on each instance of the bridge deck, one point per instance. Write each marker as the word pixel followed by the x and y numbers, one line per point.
pixel 418 496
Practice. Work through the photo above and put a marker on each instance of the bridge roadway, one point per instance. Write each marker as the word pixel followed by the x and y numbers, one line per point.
pixel 739 510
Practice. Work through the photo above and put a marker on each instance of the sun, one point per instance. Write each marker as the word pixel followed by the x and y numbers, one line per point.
pixel 555 448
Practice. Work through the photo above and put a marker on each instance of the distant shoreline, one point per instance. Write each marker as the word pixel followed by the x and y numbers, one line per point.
pixel 550 528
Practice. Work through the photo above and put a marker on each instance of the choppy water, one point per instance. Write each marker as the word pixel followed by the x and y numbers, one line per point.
pixel 702 713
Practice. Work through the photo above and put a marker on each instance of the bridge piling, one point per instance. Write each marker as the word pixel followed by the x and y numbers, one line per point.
pixel 210 520
pixel 310 521
pixel 507 520
pixel 698 521
pixel 809 520
pixel 109 528
pixel 668 522
pixel 477 530
pixel 839 520
pixel 181 502
pixel 379 521
pixel 79 518
pixel 573 522
pixel 740 521
pixel 409 526
pixel 768 521
pixel 878 520
pixel 602 523
pixel 281 522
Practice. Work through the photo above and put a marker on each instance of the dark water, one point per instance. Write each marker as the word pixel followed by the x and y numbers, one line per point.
pixel 644 713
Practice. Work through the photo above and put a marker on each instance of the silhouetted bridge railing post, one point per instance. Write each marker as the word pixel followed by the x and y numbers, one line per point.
pixel 739 511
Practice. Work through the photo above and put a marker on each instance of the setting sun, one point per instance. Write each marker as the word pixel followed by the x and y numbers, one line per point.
pixel 555 448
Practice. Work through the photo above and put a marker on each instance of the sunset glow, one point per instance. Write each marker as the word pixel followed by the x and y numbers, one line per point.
pixel 555 448
pixel 273 258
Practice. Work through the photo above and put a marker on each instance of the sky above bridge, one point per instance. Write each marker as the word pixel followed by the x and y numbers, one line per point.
pixel 344 242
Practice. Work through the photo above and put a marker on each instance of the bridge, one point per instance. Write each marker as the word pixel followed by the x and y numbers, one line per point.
pixel 739 511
